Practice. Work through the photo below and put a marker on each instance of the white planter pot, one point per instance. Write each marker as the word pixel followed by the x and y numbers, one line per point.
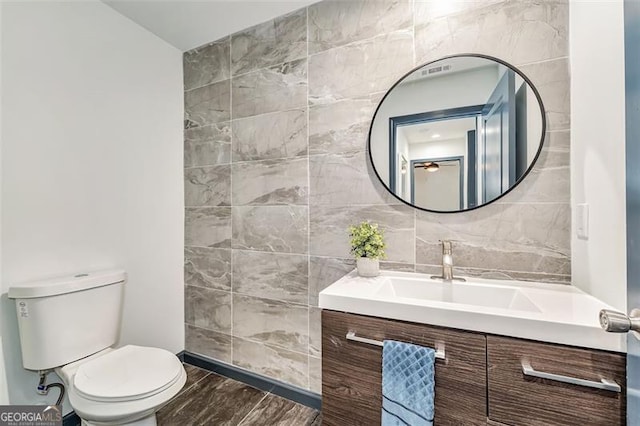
pixel 368 267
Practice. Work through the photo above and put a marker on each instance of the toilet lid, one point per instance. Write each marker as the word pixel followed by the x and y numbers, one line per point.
pixel 127 373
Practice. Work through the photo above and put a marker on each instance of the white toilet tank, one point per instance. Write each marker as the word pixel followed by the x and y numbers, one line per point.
pixel 64 319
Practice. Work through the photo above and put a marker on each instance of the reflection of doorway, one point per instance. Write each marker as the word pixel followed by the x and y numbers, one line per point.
pixel 437 134
pixel 498 118
pixel 442 189
pixel 404 177
pixel 484 134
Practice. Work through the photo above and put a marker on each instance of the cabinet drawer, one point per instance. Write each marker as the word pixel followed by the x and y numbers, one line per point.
pixel 519 399
pixel 352 371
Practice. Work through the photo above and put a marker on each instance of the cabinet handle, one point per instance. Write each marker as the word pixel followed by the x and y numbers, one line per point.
pixel 440 354
pixel 609 385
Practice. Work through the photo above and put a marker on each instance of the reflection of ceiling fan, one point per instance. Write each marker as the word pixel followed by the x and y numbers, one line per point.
pixel 429 166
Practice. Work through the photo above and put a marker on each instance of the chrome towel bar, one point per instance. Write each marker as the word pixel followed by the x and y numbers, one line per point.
pixel 609 385
pixel 440 354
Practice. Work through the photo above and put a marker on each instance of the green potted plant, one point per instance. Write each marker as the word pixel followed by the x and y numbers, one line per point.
pixel 367 246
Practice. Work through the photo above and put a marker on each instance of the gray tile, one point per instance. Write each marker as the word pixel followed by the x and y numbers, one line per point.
pixel 345 179
pixel 397 266
pixel 315 374
pixel 550 179
pixel 271 182
pixel 271 361
pixel 207 64
pixel 271 275
pixel 277 88
pixel 357 53
pixel 335 23
pixel 341 127
pixel 208 104
pixel 553 81
pixel 274 410
pixel 329 235
pixel 524 259
pixel 208 308
pixel 498 275
pixel 517 31
pixel 430 10
pixel 207 267
pixel 207 186
pixel 519 276
pixel 271 322
pixel 279 40
pixel 324 271
pixel 208 145
pixel 505 237
pixel 360 69
pixel 208 227
pixel 211 401
pixel 271 228
pixel 435 270
pixel 269 136
pixel 555 151
pixel 209 343
pixel 315 331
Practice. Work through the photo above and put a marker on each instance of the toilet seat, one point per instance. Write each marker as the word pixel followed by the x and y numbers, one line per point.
pixel 119 409
pixel 126 374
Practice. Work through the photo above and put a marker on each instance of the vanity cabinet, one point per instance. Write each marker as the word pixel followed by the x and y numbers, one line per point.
pixel 517 399
pixel 352 371
pixel 480 381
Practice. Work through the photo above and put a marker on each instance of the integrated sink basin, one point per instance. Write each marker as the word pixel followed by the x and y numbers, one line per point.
pixel 499 297
pixel 554 313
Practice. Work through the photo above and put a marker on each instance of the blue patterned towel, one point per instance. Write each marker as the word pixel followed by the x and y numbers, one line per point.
pixel 408 384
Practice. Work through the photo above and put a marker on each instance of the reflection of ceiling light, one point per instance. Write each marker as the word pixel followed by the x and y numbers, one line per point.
pixel 435 136
pixel 431 166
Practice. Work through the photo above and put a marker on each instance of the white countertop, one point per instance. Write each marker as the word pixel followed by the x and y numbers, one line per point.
pixel 562 313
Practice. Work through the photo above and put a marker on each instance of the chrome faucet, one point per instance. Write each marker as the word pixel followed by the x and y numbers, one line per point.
pixel 447 264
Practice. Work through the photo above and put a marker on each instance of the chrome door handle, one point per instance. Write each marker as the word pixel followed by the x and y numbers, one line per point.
pixel 351 335
pixel 617 322
pixel 609 385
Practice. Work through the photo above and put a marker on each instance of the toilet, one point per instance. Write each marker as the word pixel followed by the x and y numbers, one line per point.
pixel 70 325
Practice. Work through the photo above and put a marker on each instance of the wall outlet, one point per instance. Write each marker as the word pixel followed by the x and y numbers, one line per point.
pixel 582 221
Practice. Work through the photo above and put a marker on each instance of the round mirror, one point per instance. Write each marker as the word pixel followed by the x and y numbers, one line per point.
pixel 457 133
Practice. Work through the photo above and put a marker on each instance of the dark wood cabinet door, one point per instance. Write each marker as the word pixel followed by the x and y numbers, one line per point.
pixel 494 423
pixel 352 371
pixel 517 399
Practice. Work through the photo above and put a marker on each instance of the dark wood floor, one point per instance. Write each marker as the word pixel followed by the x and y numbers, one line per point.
pixel 210 399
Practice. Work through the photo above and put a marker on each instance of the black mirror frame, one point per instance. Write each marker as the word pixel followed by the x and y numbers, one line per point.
pixel 475 55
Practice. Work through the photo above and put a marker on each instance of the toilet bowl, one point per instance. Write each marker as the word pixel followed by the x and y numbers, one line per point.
pixel 124 386
pixel 70 325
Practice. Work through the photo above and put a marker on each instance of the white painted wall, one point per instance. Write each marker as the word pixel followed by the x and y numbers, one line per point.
pixel 443 149
pixel 4 390
pixel 187 24
pixel 598 147
pixel 438 190
pixel 438 149
pixel 91 165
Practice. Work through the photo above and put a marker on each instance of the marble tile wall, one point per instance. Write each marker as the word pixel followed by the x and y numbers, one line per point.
pixel 276 168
